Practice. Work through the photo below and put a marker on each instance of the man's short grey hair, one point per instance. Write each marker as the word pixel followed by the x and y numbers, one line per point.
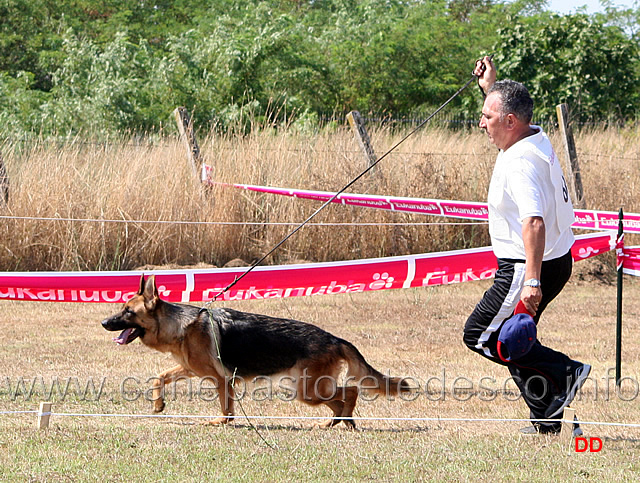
pixel 515 99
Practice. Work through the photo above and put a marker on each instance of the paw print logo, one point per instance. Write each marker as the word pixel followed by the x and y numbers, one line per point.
pixel 162 290
pixel 380 281
pixel 586 252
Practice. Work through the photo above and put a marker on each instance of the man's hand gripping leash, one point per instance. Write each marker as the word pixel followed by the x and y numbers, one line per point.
pixel 479 71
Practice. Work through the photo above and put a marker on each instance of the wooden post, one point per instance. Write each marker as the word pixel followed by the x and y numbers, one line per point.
pixel 575 180
pixel 359 131
pixel 566 433
pixel 4 182
pixel 44 414
pixel 187 134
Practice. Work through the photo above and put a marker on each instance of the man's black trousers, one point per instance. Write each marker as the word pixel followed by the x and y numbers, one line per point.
pixel 542 374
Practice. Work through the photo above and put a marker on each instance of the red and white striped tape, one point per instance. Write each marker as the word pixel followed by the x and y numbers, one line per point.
pixel 631 261
pixel 281 281
pixel 586 219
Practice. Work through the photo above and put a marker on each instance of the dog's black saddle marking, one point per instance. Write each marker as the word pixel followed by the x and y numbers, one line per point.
pixel 254 344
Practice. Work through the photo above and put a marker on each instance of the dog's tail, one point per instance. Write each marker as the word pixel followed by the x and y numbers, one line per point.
pixel 362 374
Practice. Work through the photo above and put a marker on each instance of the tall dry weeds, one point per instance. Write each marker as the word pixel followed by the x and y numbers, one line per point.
pixel 86 206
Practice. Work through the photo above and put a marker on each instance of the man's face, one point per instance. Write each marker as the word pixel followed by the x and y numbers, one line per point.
pixel 491 122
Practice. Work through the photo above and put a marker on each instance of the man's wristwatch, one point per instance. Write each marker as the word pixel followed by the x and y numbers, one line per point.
pixel 532 282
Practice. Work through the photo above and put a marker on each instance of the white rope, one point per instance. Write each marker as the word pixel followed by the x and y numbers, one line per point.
pixel 243 223
pixel 306 418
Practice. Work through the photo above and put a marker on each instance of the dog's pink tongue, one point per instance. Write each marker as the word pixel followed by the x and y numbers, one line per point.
pixel 122 338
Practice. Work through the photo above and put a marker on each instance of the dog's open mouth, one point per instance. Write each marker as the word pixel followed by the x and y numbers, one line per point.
pixel 128 335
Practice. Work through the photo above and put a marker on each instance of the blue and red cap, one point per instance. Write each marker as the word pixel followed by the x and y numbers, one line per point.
pixel 517 335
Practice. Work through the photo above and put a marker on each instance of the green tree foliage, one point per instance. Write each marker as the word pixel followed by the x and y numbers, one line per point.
pixel 576 59
pixel 112 65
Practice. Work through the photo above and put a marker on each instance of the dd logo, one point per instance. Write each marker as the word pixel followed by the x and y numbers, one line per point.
pixel 592 445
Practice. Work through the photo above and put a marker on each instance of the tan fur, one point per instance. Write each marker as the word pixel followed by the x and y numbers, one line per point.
pixel 223 343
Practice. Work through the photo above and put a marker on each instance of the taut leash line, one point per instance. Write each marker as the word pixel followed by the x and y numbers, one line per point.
pixel 344 188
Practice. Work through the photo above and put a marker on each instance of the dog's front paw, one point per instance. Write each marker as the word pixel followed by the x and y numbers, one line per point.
pixel 219 420
pixel 158 405
pixel 349 423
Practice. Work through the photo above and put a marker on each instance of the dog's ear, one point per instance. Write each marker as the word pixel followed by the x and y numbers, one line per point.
pixel 141 286
pixel 150 293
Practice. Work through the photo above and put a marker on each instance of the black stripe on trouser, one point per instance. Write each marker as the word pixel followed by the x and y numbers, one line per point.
pixel 542 373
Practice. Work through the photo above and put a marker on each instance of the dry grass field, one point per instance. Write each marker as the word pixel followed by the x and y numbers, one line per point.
pixel 463 422
pixel 414 332
pixel 142 191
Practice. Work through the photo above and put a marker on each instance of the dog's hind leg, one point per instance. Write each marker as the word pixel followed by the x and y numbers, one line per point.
pixel 343 406
pixel 336 406
pixel 350 398
pixel 318 385
pixel 162 379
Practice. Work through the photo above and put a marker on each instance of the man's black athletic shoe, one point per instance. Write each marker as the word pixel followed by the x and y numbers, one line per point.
pixel 579 374
pixel 554 428
pixel 539 428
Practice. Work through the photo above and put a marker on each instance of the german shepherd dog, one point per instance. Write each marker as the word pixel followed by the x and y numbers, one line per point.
pixel 224 344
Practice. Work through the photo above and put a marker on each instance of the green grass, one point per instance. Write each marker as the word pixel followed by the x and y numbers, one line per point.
pixel 414 332
pixel 92 450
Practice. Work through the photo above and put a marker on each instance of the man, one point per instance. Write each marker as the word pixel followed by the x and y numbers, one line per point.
pixel 530 217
